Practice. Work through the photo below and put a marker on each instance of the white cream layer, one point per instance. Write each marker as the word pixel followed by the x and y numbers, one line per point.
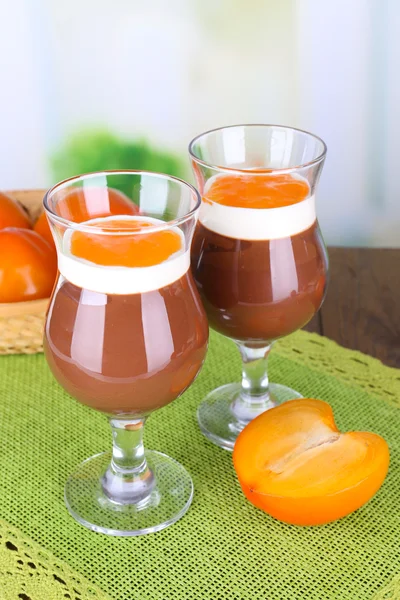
pixel 122 280
pixel 257 223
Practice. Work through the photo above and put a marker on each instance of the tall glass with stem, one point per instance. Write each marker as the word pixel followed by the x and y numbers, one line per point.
pixel 258 257
pixel 125 334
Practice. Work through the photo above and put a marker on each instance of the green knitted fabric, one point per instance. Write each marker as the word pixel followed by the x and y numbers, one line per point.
pixel 31 573
pixel 223 548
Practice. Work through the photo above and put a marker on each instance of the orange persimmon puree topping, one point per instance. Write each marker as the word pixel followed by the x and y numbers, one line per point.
pixel 293 463
pixel 257 191
pixel 140 249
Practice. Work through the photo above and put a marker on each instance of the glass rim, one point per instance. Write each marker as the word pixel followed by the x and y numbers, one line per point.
pixel 262 171
pixel 65 183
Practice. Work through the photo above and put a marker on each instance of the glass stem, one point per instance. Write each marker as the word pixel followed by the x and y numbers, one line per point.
pixel 254 396
pixel 128 479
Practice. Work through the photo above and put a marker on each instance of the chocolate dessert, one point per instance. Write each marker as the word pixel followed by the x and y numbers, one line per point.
pixel 259 290
pixel 126 354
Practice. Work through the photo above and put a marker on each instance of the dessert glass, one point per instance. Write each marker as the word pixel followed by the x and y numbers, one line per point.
pixel 125 334
pixel 258 257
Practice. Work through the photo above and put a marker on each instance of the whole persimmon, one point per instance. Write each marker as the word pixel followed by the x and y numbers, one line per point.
pixel 28 265
pixel 82 204
pixel 12 213
pixel 42 228
pixel 294 463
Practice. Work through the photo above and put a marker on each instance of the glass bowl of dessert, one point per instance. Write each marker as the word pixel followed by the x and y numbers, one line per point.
pixel 258 257
pixel 125 334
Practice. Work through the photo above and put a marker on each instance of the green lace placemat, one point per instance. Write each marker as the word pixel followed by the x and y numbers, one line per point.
pixel 224 548
pixel 30 573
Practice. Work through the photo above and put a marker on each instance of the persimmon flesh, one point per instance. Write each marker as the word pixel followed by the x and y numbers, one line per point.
pixel 293 463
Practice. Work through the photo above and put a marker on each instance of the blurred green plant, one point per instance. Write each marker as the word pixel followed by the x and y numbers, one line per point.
pixel 93 150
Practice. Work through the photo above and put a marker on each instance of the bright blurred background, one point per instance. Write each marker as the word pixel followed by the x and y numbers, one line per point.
pixel 93 84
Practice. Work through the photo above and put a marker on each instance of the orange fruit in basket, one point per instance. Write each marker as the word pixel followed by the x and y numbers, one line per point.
pixel 12 213
pixel 28 265
pixel 294 463
pixel 82 204
pixel 42 228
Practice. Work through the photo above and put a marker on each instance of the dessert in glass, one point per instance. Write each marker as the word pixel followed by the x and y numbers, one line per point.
pixel 125 334
pixel 258 257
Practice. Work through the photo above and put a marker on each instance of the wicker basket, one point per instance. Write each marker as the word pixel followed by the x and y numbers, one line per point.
pixel 21 323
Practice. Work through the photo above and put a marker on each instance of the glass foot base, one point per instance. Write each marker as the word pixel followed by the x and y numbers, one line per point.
pixel 221 421
pixel 168 502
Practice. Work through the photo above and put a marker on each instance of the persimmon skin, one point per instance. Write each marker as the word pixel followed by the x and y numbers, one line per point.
pixel 12 213
pixel 320 510
pixel 28 265
pixel 298 508
pixel 42 227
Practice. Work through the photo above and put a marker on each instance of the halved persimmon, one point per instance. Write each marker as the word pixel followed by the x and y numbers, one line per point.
pixel 28 265
pixel 12 213
pixel 83 204
pixel 293 463
pixel 257 191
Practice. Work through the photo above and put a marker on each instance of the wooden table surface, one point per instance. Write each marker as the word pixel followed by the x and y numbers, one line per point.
pixel 362 307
